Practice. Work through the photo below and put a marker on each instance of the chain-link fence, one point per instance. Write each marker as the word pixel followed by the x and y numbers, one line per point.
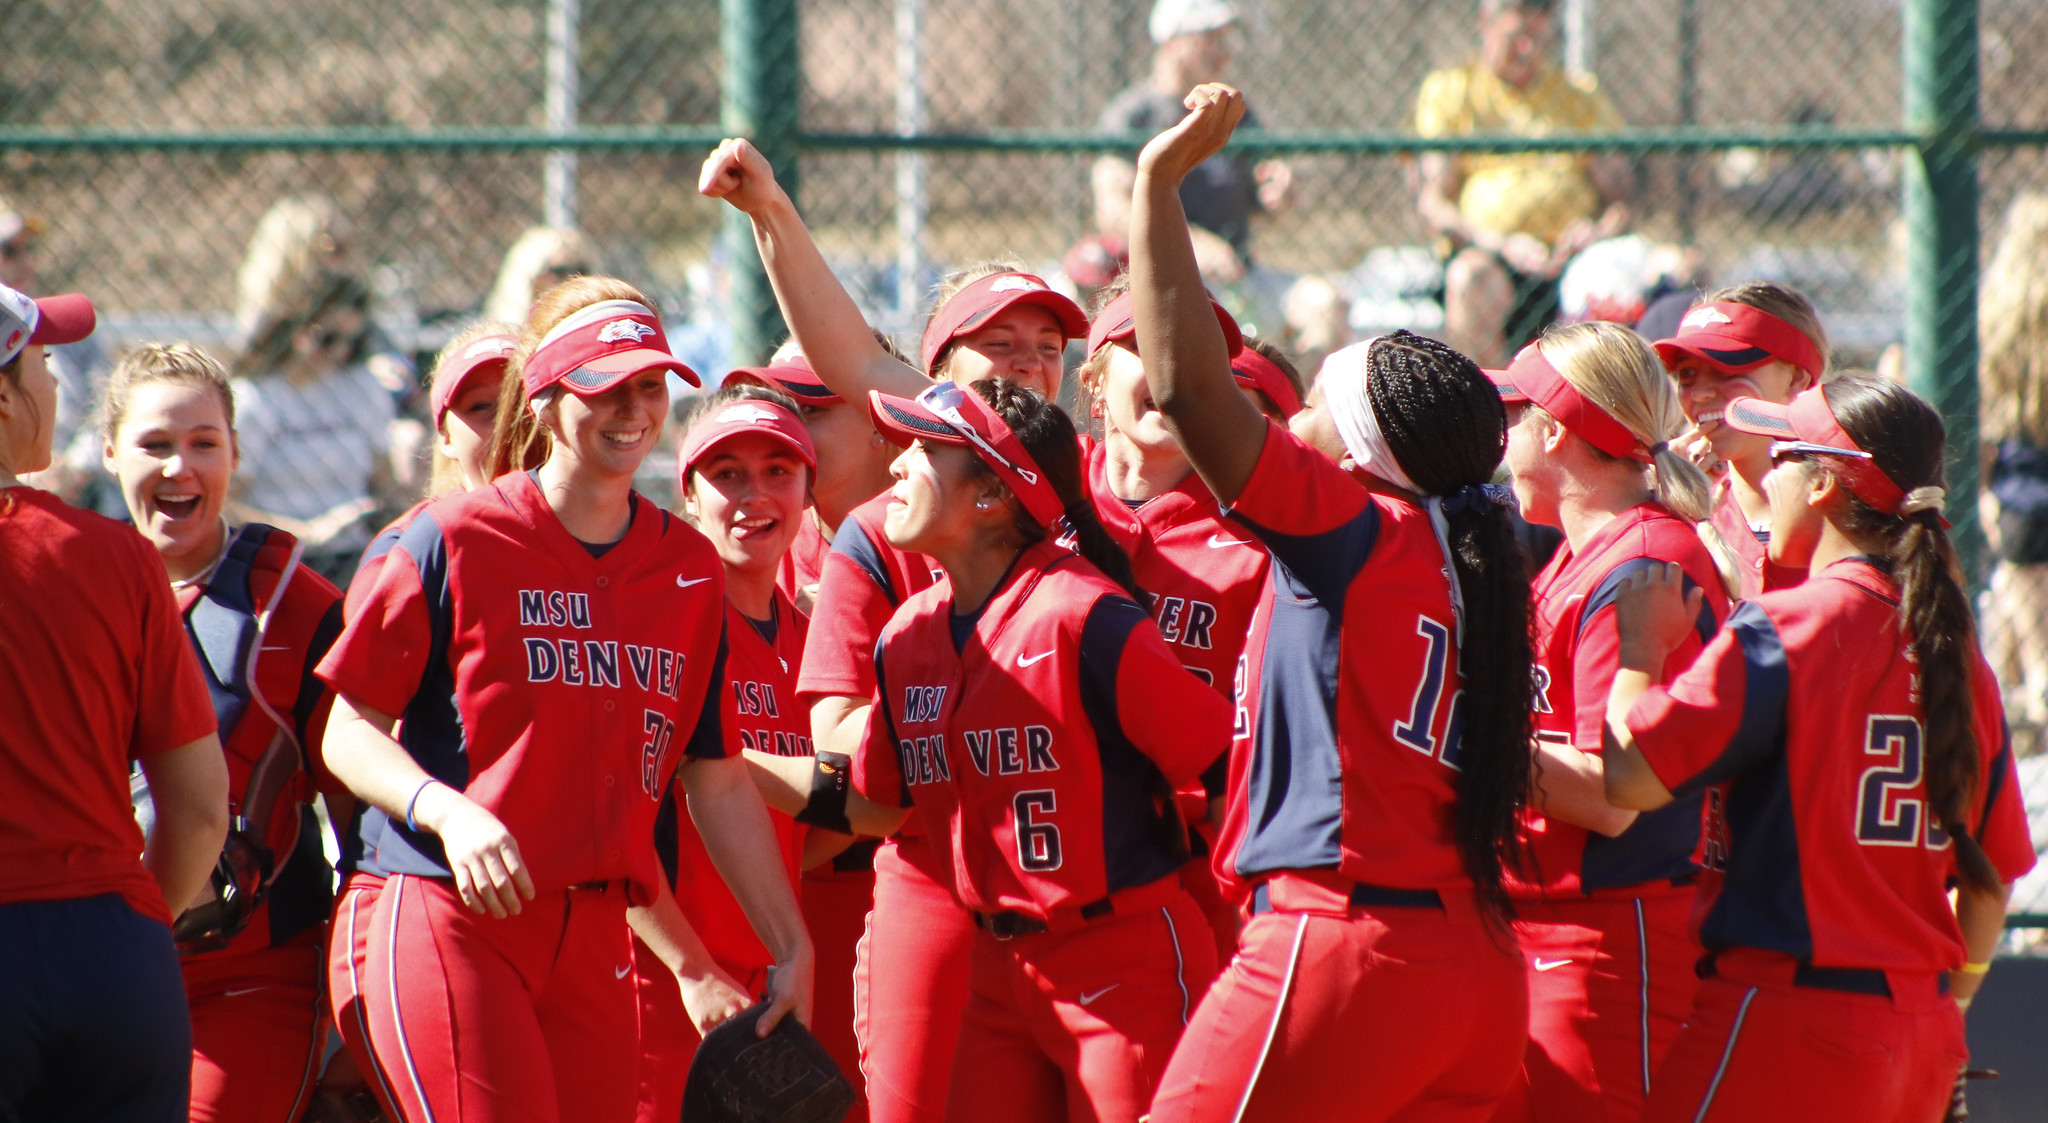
pixel 414 144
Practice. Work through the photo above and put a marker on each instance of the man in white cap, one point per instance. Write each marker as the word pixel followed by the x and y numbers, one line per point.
pixel 1195 40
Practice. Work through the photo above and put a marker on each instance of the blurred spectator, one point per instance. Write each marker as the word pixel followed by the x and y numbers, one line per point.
pixel 1508 223
pixel 295 238
pixel 543 257
pixel 1195 41
pixel 74 475
pixel 314 422
pixel 2013 425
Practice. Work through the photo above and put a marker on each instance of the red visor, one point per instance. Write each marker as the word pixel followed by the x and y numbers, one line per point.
pixel 1808 418
pixel 979 302
pixel 1531 378
pixel 1118 322
pixel 601 346
pixel 793 376
pixel 738 418
pixel 1738 339
pixel 1257 372
pixel 485 357
pixel 52 319
pixel 950 415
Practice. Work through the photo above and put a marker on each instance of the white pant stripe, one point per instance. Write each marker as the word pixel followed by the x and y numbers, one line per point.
pixel 1727 1053
pixel 355 998
pixel 396 887
pixel 1180 966
pixel 1279 1006
pixel 1643 960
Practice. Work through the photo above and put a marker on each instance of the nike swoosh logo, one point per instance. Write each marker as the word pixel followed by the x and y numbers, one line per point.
pixel 682 584
pixel 244 990
pixel 1091 996
pixel 1217 542
pixel 620 973
pixel 1543 964
pixel 1027 660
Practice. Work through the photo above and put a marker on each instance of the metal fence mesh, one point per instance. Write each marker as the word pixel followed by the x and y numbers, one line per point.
pixel 157 234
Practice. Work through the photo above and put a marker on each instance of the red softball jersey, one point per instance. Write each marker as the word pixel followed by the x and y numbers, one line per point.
pixel 1807 706
pixel 372 561
pixel 804 564
pixel 1205 575
pixel 863 582
pixel 1577 653
pixel 761 713
pixel 1345 753
pixel 97 672
pixel 1041 738
pixel 553 687
pixel 1759 573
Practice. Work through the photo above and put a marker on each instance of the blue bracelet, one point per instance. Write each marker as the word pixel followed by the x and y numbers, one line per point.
pixel 410 823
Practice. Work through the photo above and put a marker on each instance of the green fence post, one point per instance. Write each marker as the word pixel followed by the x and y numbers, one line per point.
pixel 761 85
pixel 1941 218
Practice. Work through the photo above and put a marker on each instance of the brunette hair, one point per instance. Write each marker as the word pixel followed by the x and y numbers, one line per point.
pixel 1444 422
pixel 520 440
pixel 1047 433
pixel 183 364
pixel 1275 354
pixel 1904 437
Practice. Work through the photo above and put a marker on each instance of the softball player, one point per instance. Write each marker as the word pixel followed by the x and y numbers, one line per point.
pixel 1369 809
pixel 99 674
pixel 992 321
pixel 1603 902
pixel 745 464
pixel 514 827
pixel 260 623
pixel 467 378
pixel 1754 340
pixel 1034 716
pixel 1859 732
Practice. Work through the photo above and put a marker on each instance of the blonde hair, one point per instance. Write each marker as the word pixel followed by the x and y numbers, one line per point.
pixel 512 293
pixel 1615 369
pixel 520 439
pixel 1789 305
pixel 949 286
pixel 445 473
pixel 294 238
pixel 2013 324
pixel 181 364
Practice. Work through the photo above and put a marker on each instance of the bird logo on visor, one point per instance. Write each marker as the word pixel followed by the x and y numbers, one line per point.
pixel 740 415
pixel 1704 318
pixel 1015 284
pixel 624 331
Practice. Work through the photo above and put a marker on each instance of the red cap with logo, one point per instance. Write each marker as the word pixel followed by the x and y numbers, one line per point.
pixel 1531 378
pixel 485 357
pixel 52 319
pixel 739 418
pixel 978 303
pixel 1738 339
pixel 600 346
pixel 792 374
pixel 947 414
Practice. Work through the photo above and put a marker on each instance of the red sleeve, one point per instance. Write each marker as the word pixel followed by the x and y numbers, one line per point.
pixel 172 706
pixel 839 651
pixel 1688 728
pixel 380 658
pixel 2001 826
pixel 1595 658
pixel 1178 720
pixel 1295 490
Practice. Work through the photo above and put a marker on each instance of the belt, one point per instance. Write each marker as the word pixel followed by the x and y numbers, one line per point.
pixel 601 885
pixel 1845 980
pixel 1009 925
pixel 1363 895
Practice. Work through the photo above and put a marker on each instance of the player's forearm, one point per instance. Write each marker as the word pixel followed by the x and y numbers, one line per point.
pixel 785 785
pixel 1629 780
pixel 189 787
pixel 1981 916
pixel 1571 785
pixel 738 835
pixel 362 755
pixel 670 936
pixel 827 324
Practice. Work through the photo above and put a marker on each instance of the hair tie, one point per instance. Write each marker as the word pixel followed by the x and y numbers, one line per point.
pixel 1470 498
pixel 1660 446
pixel 1922 499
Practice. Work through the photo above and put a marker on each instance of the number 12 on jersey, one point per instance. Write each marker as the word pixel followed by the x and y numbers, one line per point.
pixel 1414 731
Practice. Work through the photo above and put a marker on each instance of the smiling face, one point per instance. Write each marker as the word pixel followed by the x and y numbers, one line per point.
pixel 466 431
pixel 1022 344
pixel 174 455
pixel 747 495
pixel 611 433
pixel 1127 406
pixel 1705 390
pixel 932 504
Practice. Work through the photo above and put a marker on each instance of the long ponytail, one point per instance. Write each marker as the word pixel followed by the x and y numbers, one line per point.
pixel 1904 437
pixel 1444 422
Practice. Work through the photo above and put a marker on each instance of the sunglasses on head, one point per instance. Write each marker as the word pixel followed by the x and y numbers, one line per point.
pixel 944 399
pixel 1782 449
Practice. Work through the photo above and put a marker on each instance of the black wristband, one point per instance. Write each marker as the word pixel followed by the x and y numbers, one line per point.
pixel 830 780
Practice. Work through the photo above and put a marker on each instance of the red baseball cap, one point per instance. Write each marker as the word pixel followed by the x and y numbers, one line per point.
pixel 947 414
pixel 979 302
pixel 738 418
pixel 486 355
pixel 793 376
pixel 1254 371
pixel 601 346
pixel 1738 339
pixel 1531 378
pixel 52 319
pixel 1807 424
pixel 1118 321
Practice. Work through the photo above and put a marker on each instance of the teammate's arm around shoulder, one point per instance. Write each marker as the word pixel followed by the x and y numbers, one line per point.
pixel 490 875
pixel 1187 363
pixel 189 785
pixel 826 322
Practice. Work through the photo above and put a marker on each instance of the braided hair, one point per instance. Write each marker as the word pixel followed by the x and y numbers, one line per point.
pixel 1444 422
